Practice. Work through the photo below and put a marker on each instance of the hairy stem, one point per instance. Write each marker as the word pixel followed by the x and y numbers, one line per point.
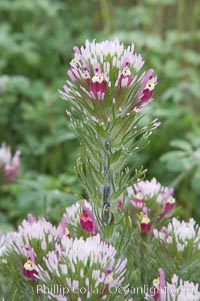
pixel 106 188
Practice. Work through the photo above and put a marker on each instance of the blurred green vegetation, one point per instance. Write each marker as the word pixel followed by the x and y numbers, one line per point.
pixel 36 40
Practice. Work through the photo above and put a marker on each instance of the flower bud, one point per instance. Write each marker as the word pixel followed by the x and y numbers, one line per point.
pixel 169 205
pixel 145 224
pixel 87 220
pixel 29 270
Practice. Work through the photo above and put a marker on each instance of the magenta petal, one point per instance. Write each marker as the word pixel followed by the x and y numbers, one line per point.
pixel 30 274
pixel 168 206
pixel 87 221
pixel 145 228
pixel 147 95
pixel 98 87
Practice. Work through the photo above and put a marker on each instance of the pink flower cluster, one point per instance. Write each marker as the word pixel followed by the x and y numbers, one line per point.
pixel 33 240
pixel 152 201
pixel 9 166
pixel 89 263
pixel 176 290
pixel 106 69
pixel 180 235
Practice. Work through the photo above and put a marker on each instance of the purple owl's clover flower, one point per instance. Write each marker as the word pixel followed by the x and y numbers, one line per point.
pixel 9 165
pixel 180 234
pixel 105 90
pixel 178 289
pixel 163 200
pixel 33 240
pixel 90 263
pixel 108 71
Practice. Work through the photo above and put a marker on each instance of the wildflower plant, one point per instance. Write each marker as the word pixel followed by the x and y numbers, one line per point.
pixel 105 93
pixel 110 246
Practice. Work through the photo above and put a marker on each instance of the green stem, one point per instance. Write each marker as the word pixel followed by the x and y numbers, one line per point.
pixel 106 188
pixel 14 295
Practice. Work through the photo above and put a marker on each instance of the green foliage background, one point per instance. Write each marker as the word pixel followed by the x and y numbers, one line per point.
pixel 36 40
